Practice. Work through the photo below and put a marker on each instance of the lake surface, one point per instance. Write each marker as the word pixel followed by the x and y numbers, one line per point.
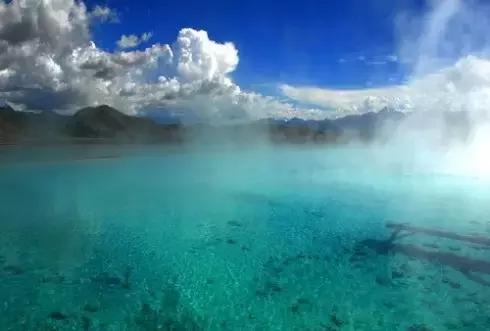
pixel 270 238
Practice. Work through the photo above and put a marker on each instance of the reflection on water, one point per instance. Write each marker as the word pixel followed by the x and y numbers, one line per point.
pixel 252 240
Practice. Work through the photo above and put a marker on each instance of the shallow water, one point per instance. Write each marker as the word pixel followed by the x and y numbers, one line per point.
pixel 158 238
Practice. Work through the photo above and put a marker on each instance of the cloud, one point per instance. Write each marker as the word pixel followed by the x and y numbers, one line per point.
pixel 132 40
pixel 48 61
pixel 447 52
pixel 464 86
pixel 450 30
pixel 369 60
pixel 392 58
pixel 381 60
pixel 199 57
pixel 104 14
pixel 343 102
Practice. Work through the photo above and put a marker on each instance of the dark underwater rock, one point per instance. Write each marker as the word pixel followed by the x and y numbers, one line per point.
pixel 150 319
pixel 126 276
pixel 234 223
pixel 273 287
pixel 451 283
pixel 268 289
pixel 418 327
pixel 455 285
pixel 58 316
pixel 113 281
pixel 91 308
pixel 86 323
pixel 389 304
pixel 54 279
pixel 300 305
pixel 383 280
pixel 336 321
pixel 147 318
pixel 245 248
pixel 13 269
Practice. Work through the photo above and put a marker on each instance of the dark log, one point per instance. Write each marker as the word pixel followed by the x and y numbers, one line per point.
pixel 440 233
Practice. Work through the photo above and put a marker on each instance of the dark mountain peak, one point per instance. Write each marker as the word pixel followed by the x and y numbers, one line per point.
pixel 98 111
pixel 10 115
pixel 295 120
pixel 100 121
pixel 107 122
pixel 5 107
pixel 367 125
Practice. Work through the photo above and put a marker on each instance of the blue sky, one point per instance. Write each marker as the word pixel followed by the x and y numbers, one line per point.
pixel 339 44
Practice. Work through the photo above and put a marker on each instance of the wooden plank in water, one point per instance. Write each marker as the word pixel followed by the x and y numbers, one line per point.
pixel 440 233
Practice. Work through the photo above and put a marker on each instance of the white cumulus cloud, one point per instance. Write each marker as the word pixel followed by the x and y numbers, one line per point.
pixel 104 14
pixel 48 61
pixel 132 40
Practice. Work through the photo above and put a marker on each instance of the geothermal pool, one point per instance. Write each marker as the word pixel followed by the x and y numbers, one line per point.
pixel 271 238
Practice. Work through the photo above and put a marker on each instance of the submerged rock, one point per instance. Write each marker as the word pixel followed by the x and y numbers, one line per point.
pixel 13 269
pixel 335 320
pixel 55 279
pixel 397 274
pixel 58 316
pixel 113 281
pixel 86 323
pixel 126 275
pixel 268 289
pixel 418 327
pixel 245 248
pixel 455 285
pixel 147 318
pixel 273 287
pixel 451 283
pixel 151 319
pixel 234 223
pixel 110 281
pixel 389 304
pixel 91 308
pixel 383 281
pixel 300 305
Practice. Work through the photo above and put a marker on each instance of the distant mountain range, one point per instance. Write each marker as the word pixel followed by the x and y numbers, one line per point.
pixel 88 124
pixel 106 124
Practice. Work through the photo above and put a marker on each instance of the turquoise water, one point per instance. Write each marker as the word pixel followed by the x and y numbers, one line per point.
pixel 158 238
